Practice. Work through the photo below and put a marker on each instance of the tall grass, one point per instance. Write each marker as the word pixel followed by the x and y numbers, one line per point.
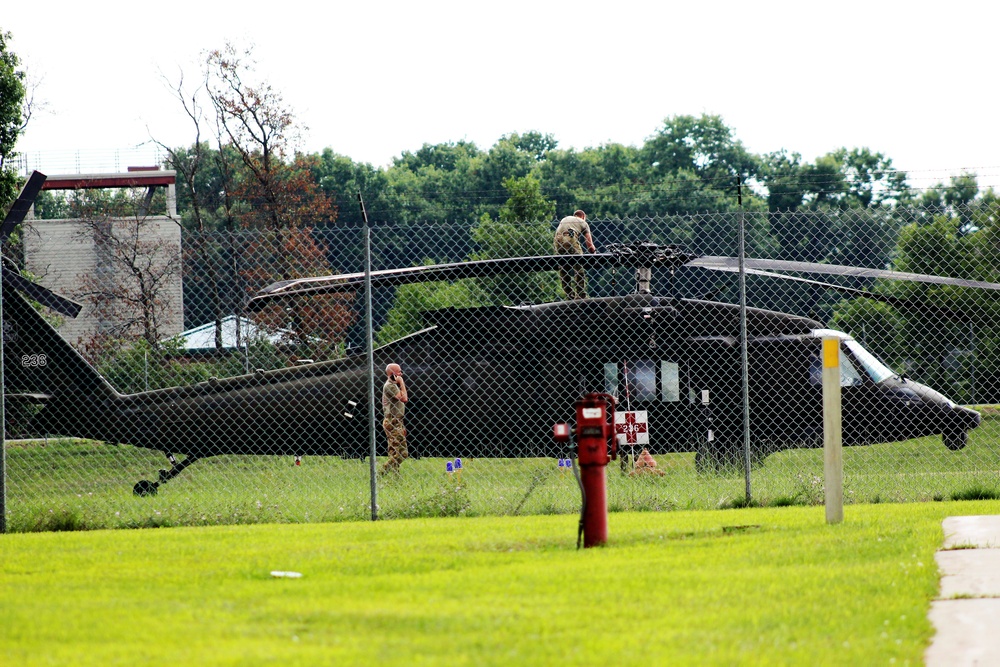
pixel 74 484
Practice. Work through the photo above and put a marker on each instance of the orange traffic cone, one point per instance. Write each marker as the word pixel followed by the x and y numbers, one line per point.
pixel 645 464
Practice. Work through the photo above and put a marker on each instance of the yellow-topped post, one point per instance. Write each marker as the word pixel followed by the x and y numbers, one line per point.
pixel 833 451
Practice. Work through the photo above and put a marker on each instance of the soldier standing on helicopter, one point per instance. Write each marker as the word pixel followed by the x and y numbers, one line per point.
pixel 571 229
pixel 394 399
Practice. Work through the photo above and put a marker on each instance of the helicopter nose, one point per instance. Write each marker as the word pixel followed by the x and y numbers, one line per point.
pixel 967 417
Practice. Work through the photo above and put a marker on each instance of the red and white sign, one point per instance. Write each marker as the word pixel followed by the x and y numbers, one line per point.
pixel 631 428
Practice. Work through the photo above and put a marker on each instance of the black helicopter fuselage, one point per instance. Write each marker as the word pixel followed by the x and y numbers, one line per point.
pixel 491 381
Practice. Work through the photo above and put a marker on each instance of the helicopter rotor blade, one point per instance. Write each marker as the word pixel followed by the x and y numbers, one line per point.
pixel 19 210
pixel 806 281
pixel 902 304
pixel 11 275
pixel 626 255
pixel 42 295
pixel 732 264
pixel 484 268
pixel 619 255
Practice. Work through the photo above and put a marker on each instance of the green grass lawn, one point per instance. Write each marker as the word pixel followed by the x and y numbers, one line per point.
pixel 75 484
pixel 747 586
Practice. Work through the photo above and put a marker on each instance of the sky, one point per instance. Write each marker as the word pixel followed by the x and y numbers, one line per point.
pixel 915 81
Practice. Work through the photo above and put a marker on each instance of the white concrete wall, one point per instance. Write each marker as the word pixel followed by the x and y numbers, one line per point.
pixel 59 256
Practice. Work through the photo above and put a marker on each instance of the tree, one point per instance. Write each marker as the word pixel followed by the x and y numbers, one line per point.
pixel 704 146
pixel 781 172
pixel 513 156
pixel 137 270
pixel 192 165
pixel 254 181
pixel 856 178
pixel 929 322
pixel 870 179
pixel 522 229
pixel 275 188
pixel 317 325
pixel 13 117
pixel 341 179
pixel 962 190
pixel 406 315
pixel 957 199
pixel 602 180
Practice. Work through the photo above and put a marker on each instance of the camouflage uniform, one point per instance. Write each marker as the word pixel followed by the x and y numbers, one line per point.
pixel 567 242
pixel 395 432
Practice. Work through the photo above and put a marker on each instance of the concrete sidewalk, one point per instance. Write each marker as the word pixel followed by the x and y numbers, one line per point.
pixel 966 614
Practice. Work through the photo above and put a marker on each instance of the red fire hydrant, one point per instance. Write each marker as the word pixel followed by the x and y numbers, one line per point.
pixel 593 433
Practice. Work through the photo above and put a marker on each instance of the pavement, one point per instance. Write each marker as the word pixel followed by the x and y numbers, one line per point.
pixel 966 614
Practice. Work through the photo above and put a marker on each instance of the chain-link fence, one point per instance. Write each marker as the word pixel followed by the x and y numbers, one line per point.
pixel 178 400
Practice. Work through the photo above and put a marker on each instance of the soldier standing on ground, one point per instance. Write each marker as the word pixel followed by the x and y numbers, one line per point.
pixel 571 230
pixel 394 399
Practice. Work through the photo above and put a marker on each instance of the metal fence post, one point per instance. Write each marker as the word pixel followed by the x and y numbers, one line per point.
pixel 370 350
pixel 744 358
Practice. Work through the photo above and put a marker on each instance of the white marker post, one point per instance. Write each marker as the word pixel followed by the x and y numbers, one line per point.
pixel 833 451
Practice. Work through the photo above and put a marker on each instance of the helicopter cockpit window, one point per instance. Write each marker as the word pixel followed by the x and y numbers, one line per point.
pixel 670 382
pixel 611 379
pixel 637 380
pixel 875 368
pixel 849 376
pixel 640 380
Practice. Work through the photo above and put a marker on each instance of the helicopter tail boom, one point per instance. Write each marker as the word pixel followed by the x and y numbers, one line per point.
pixel 39 365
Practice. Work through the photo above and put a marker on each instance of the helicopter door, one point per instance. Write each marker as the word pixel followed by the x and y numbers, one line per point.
pixel 872 414
pixel 858 400
pixel 786 398
pixel 655 386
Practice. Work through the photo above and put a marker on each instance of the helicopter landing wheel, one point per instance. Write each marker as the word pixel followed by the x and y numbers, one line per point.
pixel 955 440
pixel 144 488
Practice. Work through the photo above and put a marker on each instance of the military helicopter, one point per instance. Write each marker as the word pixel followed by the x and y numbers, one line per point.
pixel 678 359
pixel 474 395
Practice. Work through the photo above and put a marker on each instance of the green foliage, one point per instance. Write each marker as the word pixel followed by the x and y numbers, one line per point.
pixel 342 179
pixel 434 184
pixel 52 205
pixel 702 145
pixel 406 315
pixel 526 202
pixel 522 229
pixel 690 164
pixel 206 180
pixel 782 174
pixel 12 118
pixel 136 366
pixel 977 492
pixel 878 326
pixel 869 178
pixel 932 248
pixel 60 521
pixel 856 178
